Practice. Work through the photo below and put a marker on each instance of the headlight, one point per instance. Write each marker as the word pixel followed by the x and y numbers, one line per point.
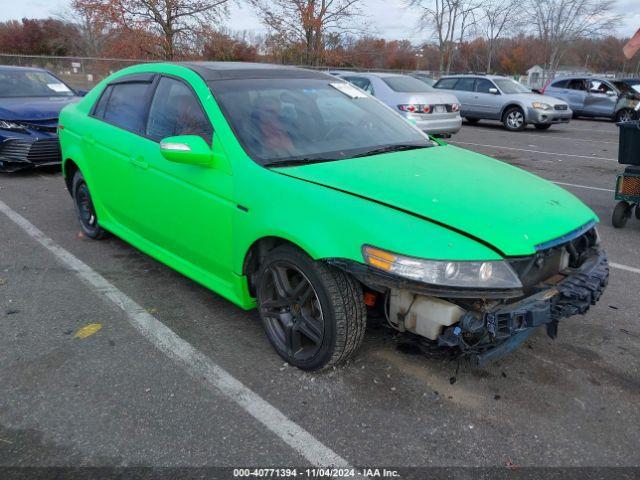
pixel 541 106
pixel 490 274
pixel 6 125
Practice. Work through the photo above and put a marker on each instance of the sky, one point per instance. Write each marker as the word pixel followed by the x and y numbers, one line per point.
pixel 388 18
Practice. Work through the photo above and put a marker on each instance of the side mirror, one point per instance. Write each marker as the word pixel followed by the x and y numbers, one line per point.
pixel 611 93
pixel 187 149
pixel 493 91
pixel 81 93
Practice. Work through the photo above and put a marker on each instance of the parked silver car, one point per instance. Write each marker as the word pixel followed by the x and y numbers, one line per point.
pixel 595 97
pixel 492 97
pixel 436 113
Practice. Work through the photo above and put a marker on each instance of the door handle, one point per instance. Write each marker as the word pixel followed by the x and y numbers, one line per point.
pixel 140 162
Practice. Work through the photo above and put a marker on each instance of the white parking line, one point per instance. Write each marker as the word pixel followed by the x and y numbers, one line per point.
pixel 627 268
pixel 584 186
pixel 500 147
pixel 549 136
pixel 193 361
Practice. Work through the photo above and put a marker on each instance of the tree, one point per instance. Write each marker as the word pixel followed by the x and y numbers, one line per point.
pixel 173 21
pixel 559 23
pixel 450 20
pixel 308 22
pixel 498 16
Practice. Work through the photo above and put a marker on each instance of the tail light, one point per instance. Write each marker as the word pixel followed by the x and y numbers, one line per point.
pixel 455 107
pixel 414 108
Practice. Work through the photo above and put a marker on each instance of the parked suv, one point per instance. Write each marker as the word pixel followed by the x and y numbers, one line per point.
pixel 595 97
pixel 500 98
pixel 436 113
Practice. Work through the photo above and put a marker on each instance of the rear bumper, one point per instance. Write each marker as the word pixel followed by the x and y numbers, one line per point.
pixel 437 124
pixel 508 326
pixel 548 117
pixel 20 153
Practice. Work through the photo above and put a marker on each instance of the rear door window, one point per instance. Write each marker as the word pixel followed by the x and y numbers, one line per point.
pixel 577 84
pixel 100 107
pixel 447 83
pixel 175 110
pixel 127 106
pixel 466 84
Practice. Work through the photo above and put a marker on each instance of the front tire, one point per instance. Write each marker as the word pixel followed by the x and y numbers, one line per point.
pixel 472 121
pixel 621 214
pixel 542 126
pixel 84 208
pixel 513 119
pixel 625 115
pixel 313 314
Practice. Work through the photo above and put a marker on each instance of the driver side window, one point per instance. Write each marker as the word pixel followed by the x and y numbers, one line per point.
pixel 175 110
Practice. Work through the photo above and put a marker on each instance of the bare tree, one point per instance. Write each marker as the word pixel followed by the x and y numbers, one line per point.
pixel 498 17
pixel 558 23
pixel 450 20
pixel 309 22
pixel 172 20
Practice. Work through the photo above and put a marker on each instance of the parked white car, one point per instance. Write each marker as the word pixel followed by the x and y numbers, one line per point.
pixel 436 113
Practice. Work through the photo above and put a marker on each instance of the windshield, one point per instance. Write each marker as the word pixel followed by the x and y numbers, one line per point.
pixel 289 120
pixel 406 84
pixel 507 86
pixel 31 83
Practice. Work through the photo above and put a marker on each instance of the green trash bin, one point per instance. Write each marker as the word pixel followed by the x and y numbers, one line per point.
pixel 629 149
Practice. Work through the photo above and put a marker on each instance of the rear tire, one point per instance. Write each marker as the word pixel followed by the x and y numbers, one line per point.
pixel 84 208
pixel 621 214
pixel 513 119
pixel 313 314
pixel 542 126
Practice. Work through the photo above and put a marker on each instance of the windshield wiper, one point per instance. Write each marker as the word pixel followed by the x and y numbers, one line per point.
pixel 287 162
pixel 389 149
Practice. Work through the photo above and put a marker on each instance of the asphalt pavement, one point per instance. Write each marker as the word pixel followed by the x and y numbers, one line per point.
pixel 176 376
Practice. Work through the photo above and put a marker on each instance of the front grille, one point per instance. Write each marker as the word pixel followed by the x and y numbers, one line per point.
pixel 42 151
pixel 548 262
pixel 561 107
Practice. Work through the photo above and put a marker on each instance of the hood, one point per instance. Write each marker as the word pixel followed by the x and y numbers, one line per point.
pixel 34 109
pixel 536 97
pixel 503 206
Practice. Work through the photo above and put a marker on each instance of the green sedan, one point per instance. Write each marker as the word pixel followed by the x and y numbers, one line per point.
pixel 294 192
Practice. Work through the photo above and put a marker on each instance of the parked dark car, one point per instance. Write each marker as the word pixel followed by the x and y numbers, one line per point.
pixel 30 103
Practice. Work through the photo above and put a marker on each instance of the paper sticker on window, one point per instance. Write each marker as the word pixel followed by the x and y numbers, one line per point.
pixel 348 89
pixel 58 87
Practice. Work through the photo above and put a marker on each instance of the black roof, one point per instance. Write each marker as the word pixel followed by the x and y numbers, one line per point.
pixel 212 71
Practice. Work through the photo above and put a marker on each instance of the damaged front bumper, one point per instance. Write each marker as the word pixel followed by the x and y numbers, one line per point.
pixel 507 326
pixel 484 325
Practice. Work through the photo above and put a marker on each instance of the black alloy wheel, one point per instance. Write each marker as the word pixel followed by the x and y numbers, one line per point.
pixel 291 311
pixel 313 314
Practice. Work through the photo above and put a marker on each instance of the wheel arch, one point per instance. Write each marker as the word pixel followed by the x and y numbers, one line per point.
pixel 256 252
pixel 69 169
pixel 510 105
